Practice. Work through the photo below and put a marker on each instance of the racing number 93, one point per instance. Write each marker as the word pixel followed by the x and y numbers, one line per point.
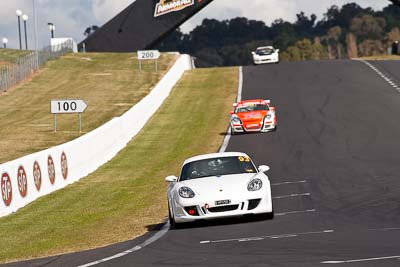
pixel 244 159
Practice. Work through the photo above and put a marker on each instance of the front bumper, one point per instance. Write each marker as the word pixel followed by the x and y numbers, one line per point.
pixel 206 210
pixel 266 127
pixel 259 61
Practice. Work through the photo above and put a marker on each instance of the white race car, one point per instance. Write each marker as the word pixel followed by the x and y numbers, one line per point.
pixel 265 54
pixel 219 185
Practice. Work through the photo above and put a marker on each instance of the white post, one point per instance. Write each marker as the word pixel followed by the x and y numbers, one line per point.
pixel 55 123
pixel 80 122
pixel 36 38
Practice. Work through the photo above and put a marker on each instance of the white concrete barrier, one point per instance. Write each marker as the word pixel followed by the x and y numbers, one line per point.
pixel 25 179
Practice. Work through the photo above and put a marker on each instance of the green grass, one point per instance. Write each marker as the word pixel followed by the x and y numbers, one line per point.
pixel 10 56
pixel 383 57
pixel 110 83
pixel 127 196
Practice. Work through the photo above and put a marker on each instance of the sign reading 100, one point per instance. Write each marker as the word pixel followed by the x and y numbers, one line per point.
pixel 67 106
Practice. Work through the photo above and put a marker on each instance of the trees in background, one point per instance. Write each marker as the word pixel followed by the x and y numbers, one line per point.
pixel 343 32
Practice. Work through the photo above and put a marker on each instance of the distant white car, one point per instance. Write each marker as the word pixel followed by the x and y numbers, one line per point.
pixel 265 55
pixel 219 185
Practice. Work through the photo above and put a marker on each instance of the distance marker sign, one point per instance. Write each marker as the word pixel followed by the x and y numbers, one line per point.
pixel 67 106
pixel 148 54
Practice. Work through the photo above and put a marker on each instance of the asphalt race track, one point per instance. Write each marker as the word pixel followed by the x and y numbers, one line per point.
pixel 335 164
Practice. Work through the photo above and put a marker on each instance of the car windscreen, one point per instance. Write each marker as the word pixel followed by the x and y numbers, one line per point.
pixel 217 167
pixel 251 107
pixel 265 51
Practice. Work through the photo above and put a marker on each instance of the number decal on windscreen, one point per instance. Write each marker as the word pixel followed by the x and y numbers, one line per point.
pixel 244 159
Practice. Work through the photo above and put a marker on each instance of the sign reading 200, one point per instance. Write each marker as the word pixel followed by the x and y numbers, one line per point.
pixel 148 54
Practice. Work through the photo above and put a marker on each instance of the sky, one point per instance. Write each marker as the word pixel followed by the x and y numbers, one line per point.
pixel 72 17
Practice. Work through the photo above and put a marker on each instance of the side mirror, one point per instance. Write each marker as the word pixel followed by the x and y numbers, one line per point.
pixel 253 53
pixel 232 112
pixel 264 168
pixel 171 179
pixel 277 50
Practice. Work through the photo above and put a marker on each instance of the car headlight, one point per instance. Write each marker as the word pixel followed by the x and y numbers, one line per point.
pixel 268 117
pixel 186 192
pixel 255 185
pixel 236 120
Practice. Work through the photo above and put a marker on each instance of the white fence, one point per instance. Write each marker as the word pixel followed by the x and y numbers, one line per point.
pixel 28 178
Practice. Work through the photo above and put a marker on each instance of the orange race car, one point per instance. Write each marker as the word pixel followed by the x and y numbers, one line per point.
pixel 253 116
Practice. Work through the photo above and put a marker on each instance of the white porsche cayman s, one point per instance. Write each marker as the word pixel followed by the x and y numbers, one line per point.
pixel 265 55
pixel 218 185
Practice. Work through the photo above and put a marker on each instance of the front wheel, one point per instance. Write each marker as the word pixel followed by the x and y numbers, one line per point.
pixel 172 223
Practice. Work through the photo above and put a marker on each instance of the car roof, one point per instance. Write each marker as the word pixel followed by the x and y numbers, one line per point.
pixel 215 155
pixel 251 101
pixel 265 47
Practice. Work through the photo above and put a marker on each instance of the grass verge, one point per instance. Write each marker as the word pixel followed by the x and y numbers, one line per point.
pixel 109 82
pixel 126 196
pixel 10 56
pixel 384 57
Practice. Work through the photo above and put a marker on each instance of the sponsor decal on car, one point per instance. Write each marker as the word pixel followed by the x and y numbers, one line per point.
pixel 252 126
pixel 168 6
pixel 253 116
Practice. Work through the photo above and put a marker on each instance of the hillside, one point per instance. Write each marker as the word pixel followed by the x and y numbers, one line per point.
pixel 9 56
pixel 109 83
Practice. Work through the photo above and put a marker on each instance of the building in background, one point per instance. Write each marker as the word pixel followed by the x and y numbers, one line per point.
pixel 142 25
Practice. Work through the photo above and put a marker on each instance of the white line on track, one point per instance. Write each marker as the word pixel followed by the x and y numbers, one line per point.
pixel 155 237
pixel 386 229
pixel 285 183
pixel 362 260
pixel 293 212
pixel 259 238
pixel 292 195
pixel 251 239
pixel 239 98
pixel 283 236
pixel 240 88
pixel 375 69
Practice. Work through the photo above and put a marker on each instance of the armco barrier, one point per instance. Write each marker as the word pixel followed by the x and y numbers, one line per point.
pixel 25 179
